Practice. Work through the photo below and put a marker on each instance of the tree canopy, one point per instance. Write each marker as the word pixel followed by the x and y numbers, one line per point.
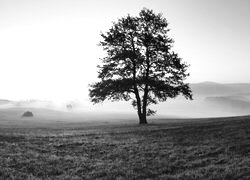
pixel 140 64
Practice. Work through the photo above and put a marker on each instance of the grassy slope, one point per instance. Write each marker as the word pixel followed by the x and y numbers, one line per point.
pixel 189 149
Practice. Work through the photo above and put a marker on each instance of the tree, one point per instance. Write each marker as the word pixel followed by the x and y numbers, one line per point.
pixel 140 64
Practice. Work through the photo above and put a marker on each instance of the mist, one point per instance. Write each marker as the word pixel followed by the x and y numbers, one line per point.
pixel 209 100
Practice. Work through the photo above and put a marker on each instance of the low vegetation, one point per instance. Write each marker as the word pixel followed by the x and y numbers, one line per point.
pixel 185 149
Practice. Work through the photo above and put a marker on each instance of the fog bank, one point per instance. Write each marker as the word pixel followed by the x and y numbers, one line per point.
pixel 210 100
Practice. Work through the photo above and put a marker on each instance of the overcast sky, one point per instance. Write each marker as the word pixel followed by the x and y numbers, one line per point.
pixel 48 48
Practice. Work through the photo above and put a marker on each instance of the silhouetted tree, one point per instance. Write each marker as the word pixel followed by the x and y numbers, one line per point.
pixel 69 106
pixel 140 65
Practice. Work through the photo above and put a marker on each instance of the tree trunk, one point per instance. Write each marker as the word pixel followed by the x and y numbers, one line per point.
pixel 143 119
pixel 139 106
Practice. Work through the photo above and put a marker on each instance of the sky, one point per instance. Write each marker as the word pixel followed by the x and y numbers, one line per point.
pixel 48 48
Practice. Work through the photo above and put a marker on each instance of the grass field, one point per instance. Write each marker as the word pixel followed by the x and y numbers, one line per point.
pixel 164 149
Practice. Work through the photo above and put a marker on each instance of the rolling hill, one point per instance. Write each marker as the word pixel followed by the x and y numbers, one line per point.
pixel 211 100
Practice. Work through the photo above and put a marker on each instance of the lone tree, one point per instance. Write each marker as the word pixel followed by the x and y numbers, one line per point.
pixel 140 65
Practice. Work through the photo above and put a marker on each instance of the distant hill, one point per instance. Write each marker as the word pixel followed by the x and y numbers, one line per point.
pixel 29 103
pixel 216 89
pixel 231 103
pixel 211 99
pixel 4 101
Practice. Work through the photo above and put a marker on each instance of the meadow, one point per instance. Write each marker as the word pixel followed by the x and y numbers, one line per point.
pixel 214 148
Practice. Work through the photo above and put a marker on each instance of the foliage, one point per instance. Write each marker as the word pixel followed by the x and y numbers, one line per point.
pixel 140 64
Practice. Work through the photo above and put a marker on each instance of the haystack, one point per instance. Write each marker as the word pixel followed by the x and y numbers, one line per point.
pixel 27 114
